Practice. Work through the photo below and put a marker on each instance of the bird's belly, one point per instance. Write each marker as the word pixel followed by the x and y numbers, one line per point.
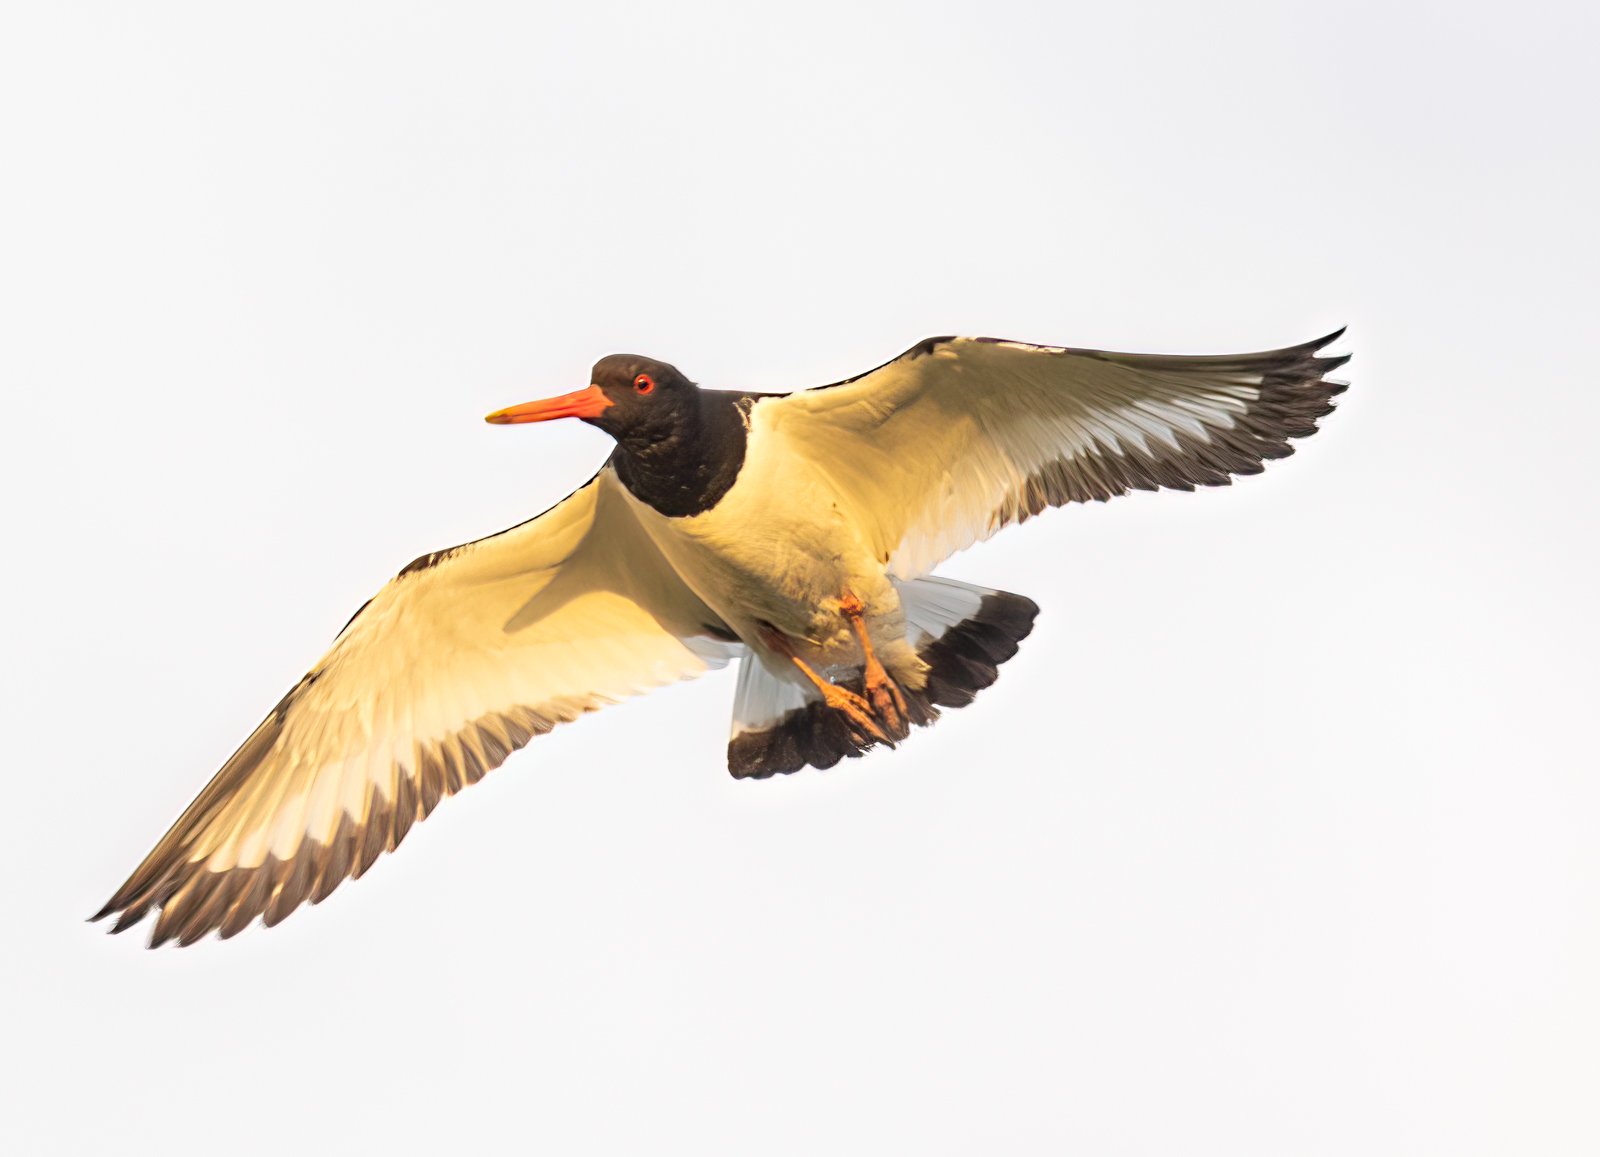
pixel 778 551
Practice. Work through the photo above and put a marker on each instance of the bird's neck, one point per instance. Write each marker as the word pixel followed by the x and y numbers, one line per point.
pixel 686 470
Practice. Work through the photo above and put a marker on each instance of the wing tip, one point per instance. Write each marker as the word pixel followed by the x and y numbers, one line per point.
pixel 1326 365
pixel 127 916
pixel 128 908
pixel 192 902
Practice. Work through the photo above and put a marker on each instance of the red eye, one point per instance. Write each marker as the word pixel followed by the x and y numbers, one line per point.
pixel 645 384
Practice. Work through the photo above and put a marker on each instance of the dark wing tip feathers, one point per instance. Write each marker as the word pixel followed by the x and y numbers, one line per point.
pixel 192 901
pixel 1295 394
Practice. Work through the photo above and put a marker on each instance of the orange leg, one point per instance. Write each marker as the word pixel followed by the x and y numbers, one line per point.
pixel 881 690
pixel 856 709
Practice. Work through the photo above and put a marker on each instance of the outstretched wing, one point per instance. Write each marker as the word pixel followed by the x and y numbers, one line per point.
pixel 459 661
pixel 958 437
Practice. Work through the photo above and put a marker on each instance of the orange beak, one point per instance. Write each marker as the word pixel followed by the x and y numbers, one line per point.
pixel 578 404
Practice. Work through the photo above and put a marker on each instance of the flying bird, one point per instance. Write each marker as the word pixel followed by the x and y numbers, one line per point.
pixel 794 532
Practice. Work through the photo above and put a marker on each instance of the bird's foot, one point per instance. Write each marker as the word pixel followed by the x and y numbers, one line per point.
pixel 888 704
pixel 860 716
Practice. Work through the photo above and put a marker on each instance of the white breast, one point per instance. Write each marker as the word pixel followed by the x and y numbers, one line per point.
pixel 778 548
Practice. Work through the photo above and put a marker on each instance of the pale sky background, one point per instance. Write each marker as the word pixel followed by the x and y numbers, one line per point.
pixel 1281 835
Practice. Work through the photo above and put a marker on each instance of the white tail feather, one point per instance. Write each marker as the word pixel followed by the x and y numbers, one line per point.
pixel 933 605
pixel 761 697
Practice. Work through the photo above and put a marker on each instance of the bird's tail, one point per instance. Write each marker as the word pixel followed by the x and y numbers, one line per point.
pixel 962 632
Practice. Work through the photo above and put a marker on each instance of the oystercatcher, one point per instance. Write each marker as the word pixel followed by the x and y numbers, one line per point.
pixel 794 532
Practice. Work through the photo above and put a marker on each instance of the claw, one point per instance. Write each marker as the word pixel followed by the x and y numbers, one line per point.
pixel 856 709
pixel 887 702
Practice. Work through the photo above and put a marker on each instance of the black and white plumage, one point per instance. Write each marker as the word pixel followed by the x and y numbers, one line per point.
pixel 795 532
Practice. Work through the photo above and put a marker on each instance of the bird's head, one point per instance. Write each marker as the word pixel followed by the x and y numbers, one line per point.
pixel 638 401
